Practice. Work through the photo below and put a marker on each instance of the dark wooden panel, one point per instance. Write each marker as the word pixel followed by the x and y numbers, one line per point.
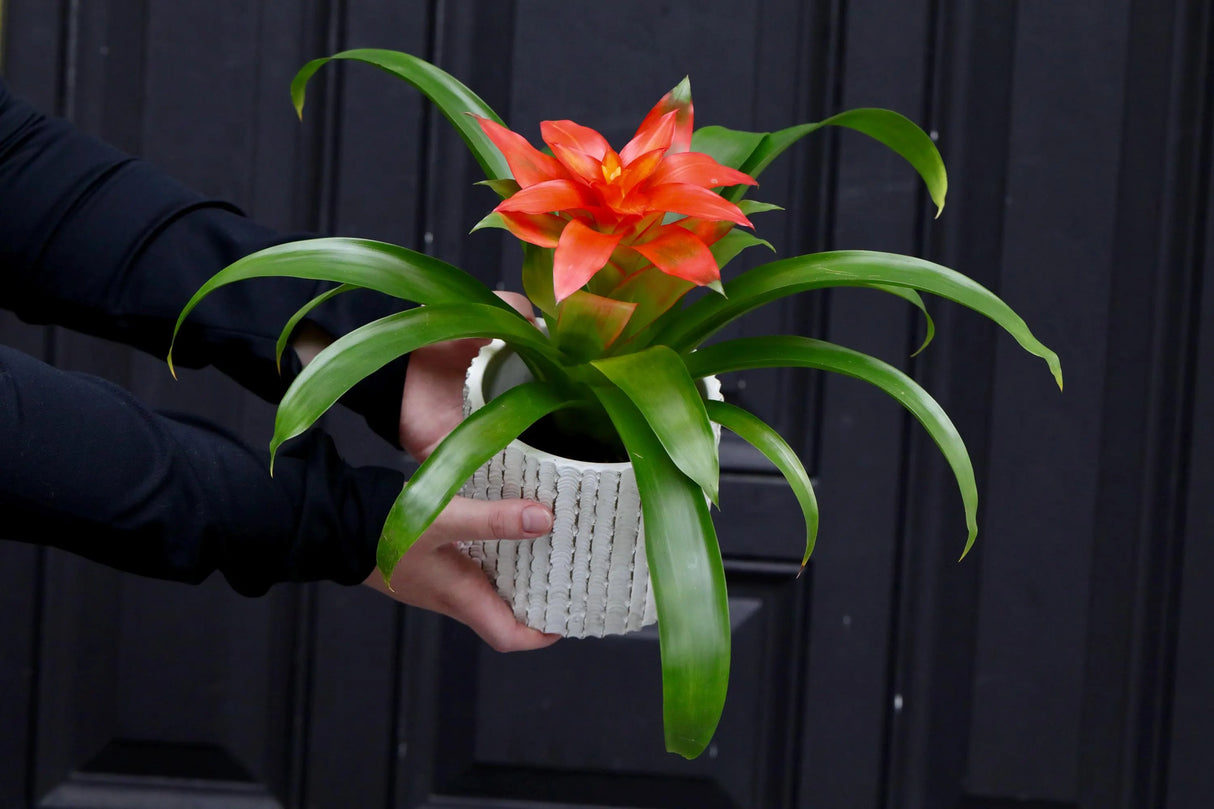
pixel 1156 277
pixel 19 604
pixel 933 664
pixel 1190 777
pixel 478 50
pixel 759 518
pixel 31 49
pixel 74 661
pixel 875 205
pixel 380 134
pixel 220 142
pixel 147 680
pixel 351 723
pixel 85 791
pixel 581 723
pixel 1157 644
pixel 370 150
pixel 1011 803
pixel 141 680
pixel 1044 448
pixel 370 157
pixel 33 40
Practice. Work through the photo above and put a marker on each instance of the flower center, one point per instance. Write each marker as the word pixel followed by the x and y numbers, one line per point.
pixel 611 166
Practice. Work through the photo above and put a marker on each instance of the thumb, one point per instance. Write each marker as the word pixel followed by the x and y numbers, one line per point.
pixel 465 519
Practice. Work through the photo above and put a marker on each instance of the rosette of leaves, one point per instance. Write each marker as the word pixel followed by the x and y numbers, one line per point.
pixel 625 347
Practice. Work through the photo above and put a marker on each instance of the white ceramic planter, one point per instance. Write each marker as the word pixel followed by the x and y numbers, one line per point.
pixel 589 575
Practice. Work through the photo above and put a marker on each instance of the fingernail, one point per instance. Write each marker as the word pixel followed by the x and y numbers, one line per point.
pixel 536 520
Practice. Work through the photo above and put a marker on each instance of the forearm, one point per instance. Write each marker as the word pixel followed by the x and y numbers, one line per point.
pixel 85 467
pixel 105 244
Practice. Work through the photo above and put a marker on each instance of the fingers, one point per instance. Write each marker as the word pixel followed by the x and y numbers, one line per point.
pixel 432 400
pixel 436 576
pixel 464 519
pixel 478 606
pixel 520 303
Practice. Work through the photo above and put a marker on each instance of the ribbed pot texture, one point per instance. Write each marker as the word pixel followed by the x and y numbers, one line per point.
pixel 589 575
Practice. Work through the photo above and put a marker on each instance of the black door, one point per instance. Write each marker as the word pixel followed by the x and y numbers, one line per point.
pixel 1065 663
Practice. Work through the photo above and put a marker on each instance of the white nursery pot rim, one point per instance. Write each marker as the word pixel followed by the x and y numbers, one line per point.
pixel 482 368
pixel 492 366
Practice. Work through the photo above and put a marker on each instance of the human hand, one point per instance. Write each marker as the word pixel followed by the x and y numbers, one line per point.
pixel 432 404
pixel 436 576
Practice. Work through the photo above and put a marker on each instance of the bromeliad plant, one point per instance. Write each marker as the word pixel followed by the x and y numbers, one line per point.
pixel 612 243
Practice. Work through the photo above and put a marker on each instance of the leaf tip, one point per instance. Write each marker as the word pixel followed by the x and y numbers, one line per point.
pixel 385 562
pixel 969 544
pixel 274 445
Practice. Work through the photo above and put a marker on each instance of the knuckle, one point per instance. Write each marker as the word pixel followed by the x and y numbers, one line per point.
pixel 502 523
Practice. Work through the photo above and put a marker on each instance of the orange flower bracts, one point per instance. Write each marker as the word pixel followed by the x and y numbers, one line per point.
pixel 605 209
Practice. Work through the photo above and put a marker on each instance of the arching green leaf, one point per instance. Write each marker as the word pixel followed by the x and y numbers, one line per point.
pixel 468 447
pixel 686 329
pixel 762 437
pixel 453 99
pixel 752 152
pixel 688 583
pixel 913 298
pixel 785 351
pixel 378 266
pixel 726 248
pixel 365 350
pixel 656 381
pixel 285 336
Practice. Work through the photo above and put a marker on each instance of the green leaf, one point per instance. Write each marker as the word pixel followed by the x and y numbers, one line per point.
pixel 762 437
pixel 689 327
pixel 752 152
pixel 537 278
pixel 365 350
pixel 285 336
pixel 688 583
pixel 750 206
pixel 386 268
pixel 906 138
pixel 493 219
pixel 657 382
pixel 468 447
pixel 772 145
pixel 726 248
pixel 787 351
pixel 453 99
pixel 729 147
pixel 587 324
pixel 503 188
pixel 654 292
pixel 913 298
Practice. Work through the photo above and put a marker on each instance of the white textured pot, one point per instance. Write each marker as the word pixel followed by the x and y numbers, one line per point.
pixel 589 575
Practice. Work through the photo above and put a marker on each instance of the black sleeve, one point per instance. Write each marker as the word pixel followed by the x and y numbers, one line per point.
pixel 85 467
pixel 105 244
